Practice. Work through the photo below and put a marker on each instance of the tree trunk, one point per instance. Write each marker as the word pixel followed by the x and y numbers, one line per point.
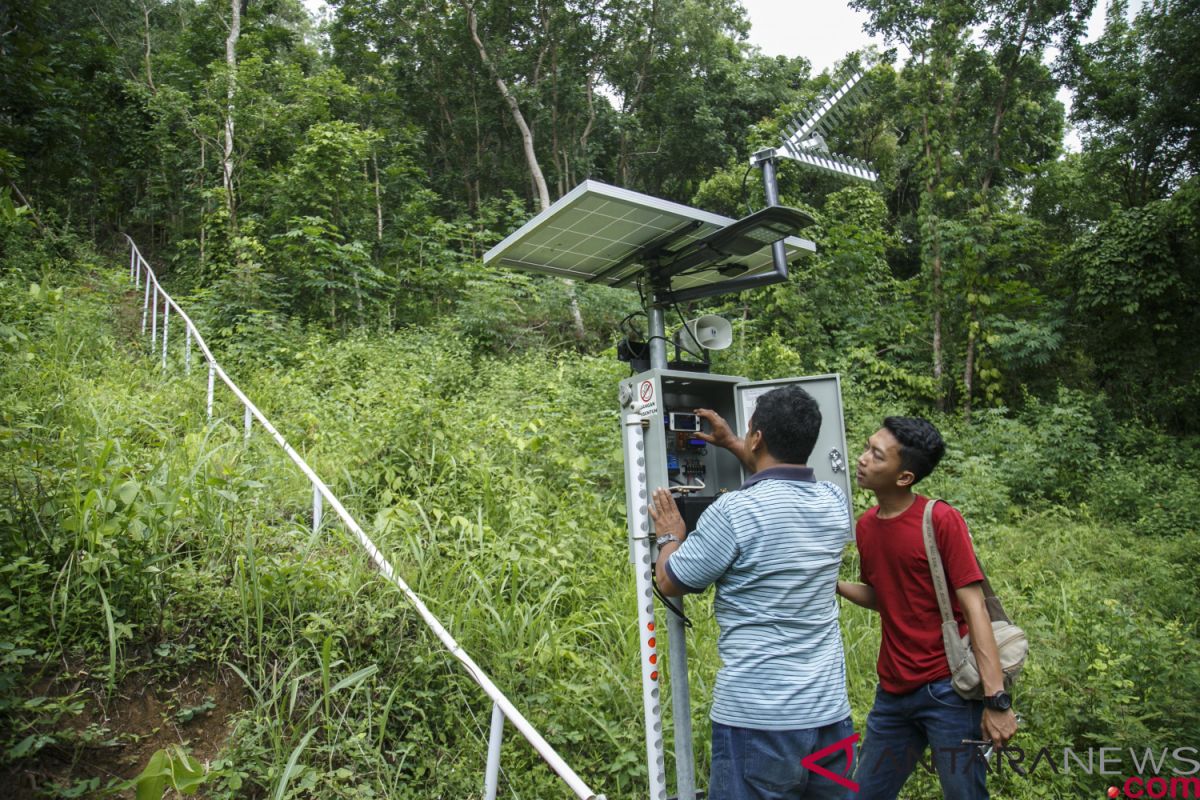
pixel 535 171
pixel 969 370
pixel 235 30
pixel 631 102
pixel 203 206
pixel 576 316
pixel 149 73
pixel 587 130
pixel 935 289
pixel 378 200
pixel 1001 108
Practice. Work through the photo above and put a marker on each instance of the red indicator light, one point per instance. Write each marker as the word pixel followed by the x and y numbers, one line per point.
pixel 651 642
pixel 654 675
pixel 649 626
pixel 653 658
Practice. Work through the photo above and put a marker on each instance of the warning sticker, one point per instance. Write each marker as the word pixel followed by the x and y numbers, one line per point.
pixel 646 403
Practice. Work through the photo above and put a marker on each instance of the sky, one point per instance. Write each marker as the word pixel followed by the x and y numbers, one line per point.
pixel 824 31
pixel 820 30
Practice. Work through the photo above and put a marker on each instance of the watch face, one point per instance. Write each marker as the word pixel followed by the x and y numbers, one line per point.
pixel 1000 701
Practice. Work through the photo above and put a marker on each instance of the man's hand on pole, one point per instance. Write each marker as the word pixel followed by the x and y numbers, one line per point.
pixel 665 514
pixel 666 521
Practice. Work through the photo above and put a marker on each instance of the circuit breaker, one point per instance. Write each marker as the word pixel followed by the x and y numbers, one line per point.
pixel 696 472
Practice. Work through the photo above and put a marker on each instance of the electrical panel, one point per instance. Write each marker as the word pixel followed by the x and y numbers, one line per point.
pixel 697 472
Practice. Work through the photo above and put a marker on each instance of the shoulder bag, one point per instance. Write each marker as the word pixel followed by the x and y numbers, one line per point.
pixel 1010 640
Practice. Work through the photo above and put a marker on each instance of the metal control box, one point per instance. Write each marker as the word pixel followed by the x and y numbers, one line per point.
pixel 697 472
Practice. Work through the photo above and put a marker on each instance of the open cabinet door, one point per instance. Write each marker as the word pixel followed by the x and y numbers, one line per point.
pixel 829 459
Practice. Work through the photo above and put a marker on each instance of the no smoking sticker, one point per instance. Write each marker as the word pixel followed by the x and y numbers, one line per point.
pixel 646 403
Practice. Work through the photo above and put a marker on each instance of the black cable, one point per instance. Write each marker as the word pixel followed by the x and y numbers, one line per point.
pixel 672 343
pixel 630 330
pixel 703 356
pixel 666 601
pixel 649 339
pixel 745 200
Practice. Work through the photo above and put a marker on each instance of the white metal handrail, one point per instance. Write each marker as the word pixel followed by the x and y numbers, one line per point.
pixel 502 707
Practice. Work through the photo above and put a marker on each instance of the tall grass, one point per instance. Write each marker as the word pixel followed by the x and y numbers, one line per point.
pixel 150 541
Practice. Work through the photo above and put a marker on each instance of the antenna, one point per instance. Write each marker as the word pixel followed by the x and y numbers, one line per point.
pixel 804 141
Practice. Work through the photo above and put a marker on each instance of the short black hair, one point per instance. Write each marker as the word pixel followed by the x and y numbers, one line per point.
pixel 921 445
pixel 789 420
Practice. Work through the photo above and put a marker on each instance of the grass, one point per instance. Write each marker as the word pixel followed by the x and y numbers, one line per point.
pixel 143 543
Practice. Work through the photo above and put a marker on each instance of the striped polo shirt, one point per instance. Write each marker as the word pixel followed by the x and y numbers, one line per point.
pixel 773 549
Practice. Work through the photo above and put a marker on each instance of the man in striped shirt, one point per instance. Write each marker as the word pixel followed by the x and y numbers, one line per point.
pixel 772 549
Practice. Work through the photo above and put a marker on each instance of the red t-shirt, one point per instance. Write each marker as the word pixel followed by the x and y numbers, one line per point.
pixel 892 552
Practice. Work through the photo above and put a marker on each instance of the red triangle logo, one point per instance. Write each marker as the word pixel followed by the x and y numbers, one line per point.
pixel 846 746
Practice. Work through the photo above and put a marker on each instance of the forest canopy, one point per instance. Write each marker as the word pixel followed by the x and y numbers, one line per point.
pixel 351 173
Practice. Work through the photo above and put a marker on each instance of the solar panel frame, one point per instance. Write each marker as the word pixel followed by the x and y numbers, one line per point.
pixel 596 226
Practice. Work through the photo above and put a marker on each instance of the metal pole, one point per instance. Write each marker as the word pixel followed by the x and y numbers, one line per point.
pixel 636 497
pixel 132 261
pixel 212 371
pixel 491 779
pixel 246 435
pixel 166 322
pixel 681 701
pixel 658 338
pixel 187 351
pixel 316 509
pixel 154 318
pixel 771 186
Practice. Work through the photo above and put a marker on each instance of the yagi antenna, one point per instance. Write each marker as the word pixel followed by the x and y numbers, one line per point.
pixel 804 141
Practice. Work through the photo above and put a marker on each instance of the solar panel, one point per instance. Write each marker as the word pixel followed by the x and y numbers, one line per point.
pixel 600 234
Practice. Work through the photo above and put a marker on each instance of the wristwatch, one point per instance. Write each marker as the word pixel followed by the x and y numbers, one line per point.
pixel 667 537
pixel 1000 701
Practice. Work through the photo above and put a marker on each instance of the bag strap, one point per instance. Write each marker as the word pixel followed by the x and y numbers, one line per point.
pixel 935 564
pixel 938 573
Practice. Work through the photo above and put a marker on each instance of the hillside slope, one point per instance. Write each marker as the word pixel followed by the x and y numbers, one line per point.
pixel 162 583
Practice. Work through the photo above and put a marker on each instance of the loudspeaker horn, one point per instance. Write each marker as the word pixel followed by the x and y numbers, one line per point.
pixel 709 331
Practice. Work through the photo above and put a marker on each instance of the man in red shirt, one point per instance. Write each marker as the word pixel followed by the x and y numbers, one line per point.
pixel 915 705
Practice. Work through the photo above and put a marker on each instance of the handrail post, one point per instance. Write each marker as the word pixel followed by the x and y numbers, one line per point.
pixel 316 509
pixel 246 435
pixel 166 321
pixel 132 260
pixel 145 303
pixel 491 779
pixel 211 374
pixel 187 350
pixel 154 318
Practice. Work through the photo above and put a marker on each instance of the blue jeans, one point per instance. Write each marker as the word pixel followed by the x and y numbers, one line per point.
pixel 765 765
pixel 901 726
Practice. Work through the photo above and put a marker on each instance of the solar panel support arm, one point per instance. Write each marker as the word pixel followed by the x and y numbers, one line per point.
pixel 765 160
